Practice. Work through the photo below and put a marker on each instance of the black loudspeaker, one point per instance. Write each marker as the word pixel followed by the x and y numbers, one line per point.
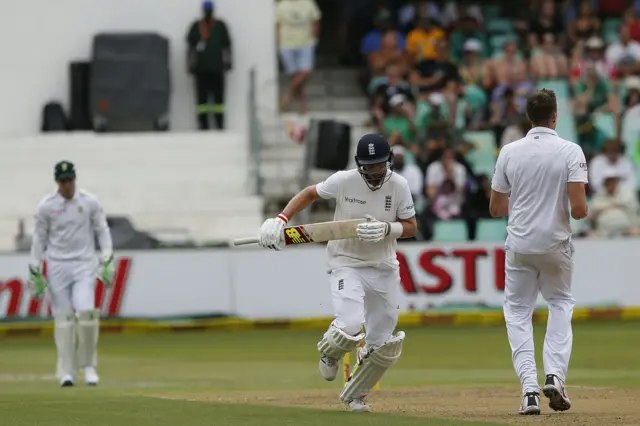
pixel 333 145
pixel 79 79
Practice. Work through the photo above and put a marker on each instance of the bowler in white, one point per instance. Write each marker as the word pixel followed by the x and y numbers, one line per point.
pixel 66 225
pixel 539 181
pixel 363 272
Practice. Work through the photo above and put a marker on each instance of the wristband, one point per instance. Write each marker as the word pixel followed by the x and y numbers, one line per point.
pixel 395 229
pixel 283 218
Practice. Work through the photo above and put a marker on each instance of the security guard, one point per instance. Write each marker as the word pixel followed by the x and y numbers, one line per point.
pixel 209 59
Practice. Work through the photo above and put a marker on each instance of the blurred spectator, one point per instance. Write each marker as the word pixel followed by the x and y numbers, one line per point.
pixel 472 64
pixel 412 173
pixel 436 128
pixel 508 103
pixel 625 53
pixel 585 25
pixel 407 15
pixel 632 97
pixel 515 131
pixel 594 92
pixel 547 21
pixel 612 162
pixel 468 29
pixel 612 8
pixel 431 75
pixel 477 204
pixel 298 28
pixel 446 168
pixel 591 55
pixel 447 203
pixel 614 210
pixel 590 137
pixel 498 70
pixel 631 20
pixel 551 63
pixel 209 58
pixel 372 41
pixel 421 42
pixel 399 121
pixel 388 54
pixel 520 86
pixel 384 89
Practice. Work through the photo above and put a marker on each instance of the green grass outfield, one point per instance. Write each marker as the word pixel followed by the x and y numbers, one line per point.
pixel 446 376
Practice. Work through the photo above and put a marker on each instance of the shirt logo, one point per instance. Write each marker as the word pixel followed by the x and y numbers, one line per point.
pixel 354 200
pixel 583 166
pixel 387 203
pixel 372 149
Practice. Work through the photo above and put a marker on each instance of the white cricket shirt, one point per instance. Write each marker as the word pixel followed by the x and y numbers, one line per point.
pixel 535 170
pixel 66 229
pixel 354 200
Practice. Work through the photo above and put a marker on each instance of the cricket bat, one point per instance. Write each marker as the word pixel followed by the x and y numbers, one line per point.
pixel 313 232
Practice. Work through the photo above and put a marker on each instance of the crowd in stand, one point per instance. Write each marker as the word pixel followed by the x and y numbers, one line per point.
pixel 437 70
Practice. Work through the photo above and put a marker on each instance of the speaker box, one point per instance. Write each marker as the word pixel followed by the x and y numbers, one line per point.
pixel 79 79
pixel 333 145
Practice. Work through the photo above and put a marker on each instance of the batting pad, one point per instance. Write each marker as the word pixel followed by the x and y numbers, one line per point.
pixel 335 342
pixel 371 368
pixel 64 334
pixel 88 330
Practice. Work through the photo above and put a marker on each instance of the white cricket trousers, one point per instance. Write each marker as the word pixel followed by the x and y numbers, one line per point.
pixel 72 285
pixel 366 296
pixel 526 276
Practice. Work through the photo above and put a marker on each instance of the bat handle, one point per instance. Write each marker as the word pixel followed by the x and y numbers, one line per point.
pixel 245 241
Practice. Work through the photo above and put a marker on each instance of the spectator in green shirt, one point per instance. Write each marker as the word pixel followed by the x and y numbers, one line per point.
pixel 467 29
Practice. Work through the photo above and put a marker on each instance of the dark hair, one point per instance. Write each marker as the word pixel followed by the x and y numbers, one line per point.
pixel 541 106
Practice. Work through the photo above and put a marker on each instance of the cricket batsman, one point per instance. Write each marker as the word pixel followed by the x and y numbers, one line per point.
pixel 364 272
pixel 66 224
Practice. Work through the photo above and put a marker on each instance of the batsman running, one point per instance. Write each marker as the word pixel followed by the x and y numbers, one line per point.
pixel 66 224
pixel 364 272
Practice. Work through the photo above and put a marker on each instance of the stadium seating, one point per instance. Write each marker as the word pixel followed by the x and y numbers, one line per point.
pixel 450 231
pixel 491 230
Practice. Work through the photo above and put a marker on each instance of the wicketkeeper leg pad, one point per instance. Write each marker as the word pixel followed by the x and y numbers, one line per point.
pixel 88 330
pixel 335 342
pixel 64 335
pixel 371 367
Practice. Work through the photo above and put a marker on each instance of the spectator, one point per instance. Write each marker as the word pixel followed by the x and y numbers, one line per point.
pixel 520 86
pixel 550 63
pixel 585 25
pixel 446 168
pixel 625 53
pixel 298 30
pixel 388 54
pixel 399 121
pixel 497 71
pixel 614 210
pixel 515 131
pixel 594 92
pixel 372 41
pixel 393 84
pixel 436 127
pixel 477 205
pixel 546 22
pixel 468 29
pixel 408 13
pixel 612 8
pixel 632 98
pixel 431 75
pixel 209 58
pixel 505 111
pixel 591 55
pixel 472 64
pixel 412 173
pixel 421 42
pixel 590 137
pixel 631 20
pixel 611 162
pixel 447 203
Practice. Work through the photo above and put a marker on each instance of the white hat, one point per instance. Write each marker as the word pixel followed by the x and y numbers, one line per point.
pixel 595 43
pixel 436 98
pixel 472 45
pixel 397 99
pixel 398 149
pixel 632 82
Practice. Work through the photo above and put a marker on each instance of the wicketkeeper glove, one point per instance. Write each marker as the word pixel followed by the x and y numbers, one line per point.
pixel 37 283
pixel 107 271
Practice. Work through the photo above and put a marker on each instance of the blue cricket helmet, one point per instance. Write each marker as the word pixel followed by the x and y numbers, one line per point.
pixel 373 149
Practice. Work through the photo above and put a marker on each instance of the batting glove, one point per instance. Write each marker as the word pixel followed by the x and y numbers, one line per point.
pixel 107 271
pixel 371 231
pixel 37 283
pixel 270 235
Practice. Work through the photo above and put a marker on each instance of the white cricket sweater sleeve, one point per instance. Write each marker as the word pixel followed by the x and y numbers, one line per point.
pixel 577 165
pixel 500 182
pixel 328 189
pixel 101 229
pixel 40 234
pixel 405 209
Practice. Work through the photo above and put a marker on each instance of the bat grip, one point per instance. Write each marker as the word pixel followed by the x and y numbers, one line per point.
pixel 245 241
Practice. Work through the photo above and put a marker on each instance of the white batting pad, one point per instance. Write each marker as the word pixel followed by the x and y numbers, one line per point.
pixel 88 330
pixel 64 334
pixel 335 342
pixel 371 367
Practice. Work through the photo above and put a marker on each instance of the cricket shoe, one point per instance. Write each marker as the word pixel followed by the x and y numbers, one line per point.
pixel 66 381
pixel 90 376
pixel 554 390
pixel 328 367
pixel 358 405
pixel 530 404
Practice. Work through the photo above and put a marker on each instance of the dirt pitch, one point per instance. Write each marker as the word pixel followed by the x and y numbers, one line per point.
pixel 591 406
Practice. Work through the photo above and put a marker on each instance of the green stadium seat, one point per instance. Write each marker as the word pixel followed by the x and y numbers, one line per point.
pixel 606 123
pixel 450 231
pixel 491 12
pixel 499 26
pixel 497 41
pixel 491 230
pixel 483 157
pixel 610 28
pixel 560 87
